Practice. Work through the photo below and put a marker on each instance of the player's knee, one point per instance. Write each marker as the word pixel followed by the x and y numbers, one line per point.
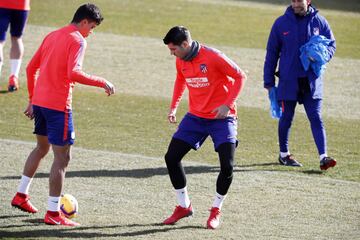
pixel 315 118
pixel 42 150
pixel 227 171
pixel 170 158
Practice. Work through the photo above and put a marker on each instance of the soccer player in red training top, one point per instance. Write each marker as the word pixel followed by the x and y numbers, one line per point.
pixel 59 62
pixel 13 13
pixel 214 82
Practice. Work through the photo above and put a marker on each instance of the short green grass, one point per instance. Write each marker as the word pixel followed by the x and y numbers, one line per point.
pixel 138 124
pixel 222 24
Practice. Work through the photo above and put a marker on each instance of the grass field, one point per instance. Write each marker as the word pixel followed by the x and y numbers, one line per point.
pixel 117 172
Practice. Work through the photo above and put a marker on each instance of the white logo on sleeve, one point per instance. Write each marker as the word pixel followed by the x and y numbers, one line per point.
pixel 197 82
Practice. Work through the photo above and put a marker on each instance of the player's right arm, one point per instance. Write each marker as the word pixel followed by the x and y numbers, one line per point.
pixel 75 73
pixel 273 49
pixel 31 71
pixel 179 89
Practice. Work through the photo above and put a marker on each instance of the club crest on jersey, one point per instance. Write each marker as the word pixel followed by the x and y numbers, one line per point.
pixel 203 68
pixel 316 31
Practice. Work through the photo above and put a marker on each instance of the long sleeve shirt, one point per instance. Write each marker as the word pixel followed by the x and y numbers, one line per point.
pixel 212 80
pixel 58 63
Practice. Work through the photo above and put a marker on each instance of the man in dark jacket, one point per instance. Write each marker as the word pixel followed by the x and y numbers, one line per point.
pixel 290 31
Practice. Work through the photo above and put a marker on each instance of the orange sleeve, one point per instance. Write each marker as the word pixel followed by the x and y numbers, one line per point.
pixel 75 61
pixel 179 88
pixel 231 69
pixel 31 71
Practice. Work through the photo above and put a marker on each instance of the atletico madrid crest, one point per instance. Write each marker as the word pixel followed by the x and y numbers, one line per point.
pixel 203 68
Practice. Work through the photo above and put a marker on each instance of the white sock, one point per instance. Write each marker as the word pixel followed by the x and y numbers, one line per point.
pixel 182 197
pixel 322 156
pixel 218 200
pixel 24 185
pixel 284 154
pixel 54 204
pixel 15 67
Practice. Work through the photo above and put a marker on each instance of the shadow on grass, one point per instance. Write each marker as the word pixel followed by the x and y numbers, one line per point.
pixel 13 216
pixel 161 171
pixel 4 91
pixel 88 231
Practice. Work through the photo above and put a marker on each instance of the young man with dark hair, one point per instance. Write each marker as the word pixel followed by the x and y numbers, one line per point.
pixel 15 14
pixel 59 62
pixel 290 31
pixel 214 83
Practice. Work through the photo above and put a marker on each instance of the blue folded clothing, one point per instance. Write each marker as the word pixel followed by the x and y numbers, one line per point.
pixel 316 50
pixel 275 110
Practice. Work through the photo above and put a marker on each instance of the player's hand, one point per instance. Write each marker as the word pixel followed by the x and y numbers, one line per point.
pixel 109 88
pixel 29 112
pixel 172 115
pixel 221 112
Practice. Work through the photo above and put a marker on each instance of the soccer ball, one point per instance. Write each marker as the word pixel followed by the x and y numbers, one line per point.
pixel 69 205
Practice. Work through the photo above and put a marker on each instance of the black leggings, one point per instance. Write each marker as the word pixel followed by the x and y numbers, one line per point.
pixel 178 149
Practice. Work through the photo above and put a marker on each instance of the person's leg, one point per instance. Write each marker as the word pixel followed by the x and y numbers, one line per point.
pixel 224 135
pixel 35 157
pixel 288 112
pixel 62 157
pixel 16 54
pixel 176 151
pixel 17 25
pixel 22 199
pixel 4 24
pixel 226 153
pixel 2 43
pixel 313 112
pixel 53 216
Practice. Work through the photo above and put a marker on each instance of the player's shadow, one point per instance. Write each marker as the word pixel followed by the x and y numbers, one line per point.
pixel 97 231
pixel 4 91
pixel 161 171
pixel 144 172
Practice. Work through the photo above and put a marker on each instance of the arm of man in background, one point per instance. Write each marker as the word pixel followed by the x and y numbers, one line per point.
pixel 271 59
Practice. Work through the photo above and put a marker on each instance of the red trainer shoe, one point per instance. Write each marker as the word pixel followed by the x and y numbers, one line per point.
pixel 22 202
pixel 13 83
pixel 214 218
pixel 327 162
pixel 58 219
pixel 178 214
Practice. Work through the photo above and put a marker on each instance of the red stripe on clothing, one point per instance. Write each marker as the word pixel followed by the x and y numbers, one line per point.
pixel 282 106
pixel 66 126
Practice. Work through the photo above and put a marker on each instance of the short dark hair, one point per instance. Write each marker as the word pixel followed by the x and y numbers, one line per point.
pixel 177 35
pixel 88 11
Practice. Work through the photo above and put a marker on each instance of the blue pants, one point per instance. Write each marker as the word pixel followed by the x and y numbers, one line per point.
pixel 313 112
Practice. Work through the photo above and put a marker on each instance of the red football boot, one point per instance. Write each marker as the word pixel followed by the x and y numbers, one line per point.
pixel 178 214
pixel 214 218
pixel 13 83
pixel 22 202
pixel 58 218
pixel 327 162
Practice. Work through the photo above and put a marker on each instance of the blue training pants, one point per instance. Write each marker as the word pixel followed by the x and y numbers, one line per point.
pixel 313 112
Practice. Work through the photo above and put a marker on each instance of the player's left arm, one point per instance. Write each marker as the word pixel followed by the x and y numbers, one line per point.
pixel 230 69
pixel 327 32
pixel 75 73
